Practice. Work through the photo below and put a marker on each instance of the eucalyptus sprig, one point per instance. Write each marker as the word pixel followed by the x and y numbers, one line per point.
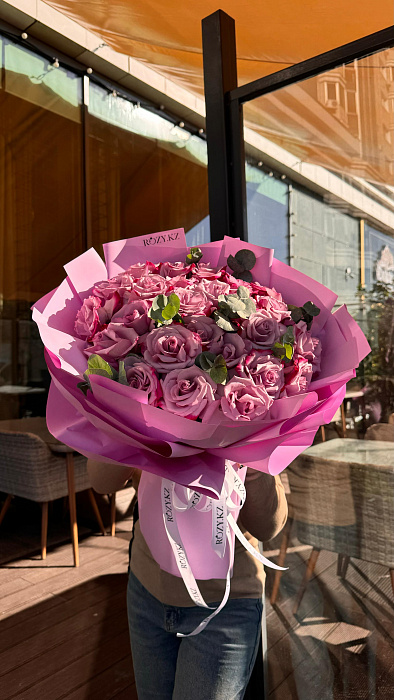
pixel 284 349
pixel 214 365
pixel 306 313
pixel 232 306
pixel 96 365
pixel 194 256
pixel 164 310
pixel 241 263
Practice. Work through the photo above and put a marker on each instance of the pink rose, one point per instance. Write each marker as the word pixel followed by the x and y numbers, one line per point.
pixel 207 329
pixel 135 315
pixel 140 270
pixel 213 288
pixel 262 330
pixel 244 400
pixel 205 271
pixel 193 301
pixel 143 377
pixel 148 287
pixel 187 392
pixel 259 290
pixel 171 347
pixel 180 281
pixel 275 308
pixel 298 376
pixel 119 284
pixel 175 269
pixel 263 369
pixel 232 347
pixel 307 346
pixel 232 281
pixel 87 320
pixel 113 343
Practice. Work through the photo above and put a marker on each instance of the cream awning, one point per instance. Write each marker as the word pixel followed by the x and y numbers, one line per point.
pixel 343 119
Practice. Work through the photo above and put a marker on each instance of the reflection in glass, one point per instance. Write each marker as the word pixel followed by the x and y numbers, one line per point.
pixel 342 120
pixel 41 212
pixel 145 173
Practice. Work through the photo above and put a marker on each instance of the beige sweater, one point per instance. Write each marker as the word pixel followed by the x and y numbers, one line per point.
pixel 261 518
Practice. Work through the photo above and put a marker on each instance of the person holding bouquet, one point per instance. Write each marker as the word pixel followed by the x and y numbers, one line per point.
pixel 217 663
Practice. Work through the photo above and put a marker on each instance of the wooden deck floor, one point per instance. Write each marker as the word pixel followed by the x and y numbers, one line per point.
pixel 63 631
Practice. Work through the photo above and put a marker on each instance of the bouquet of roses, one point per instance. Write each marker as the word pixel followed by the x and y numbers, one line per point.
pixel 184 362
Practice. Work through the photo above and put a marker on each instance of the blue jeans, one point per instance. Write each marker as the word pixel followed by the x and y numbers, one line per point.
pixel 213 665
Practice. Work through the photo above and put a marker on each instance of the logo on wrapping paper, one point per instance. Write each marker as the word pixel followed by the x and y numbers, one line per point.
pixel 161 238
pixel 219 525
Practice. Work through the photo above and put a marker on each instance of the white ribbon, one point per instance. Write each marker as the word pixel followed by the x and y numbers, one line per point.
pixel 221 541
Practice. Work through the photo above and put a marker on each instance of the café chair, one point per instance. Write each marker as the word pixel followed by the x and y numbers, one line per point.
pixel 30 469
pixel 339 507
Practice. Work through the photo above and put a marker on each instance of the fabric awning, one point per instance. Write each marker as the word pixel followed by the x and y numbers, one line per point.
pixel 343 120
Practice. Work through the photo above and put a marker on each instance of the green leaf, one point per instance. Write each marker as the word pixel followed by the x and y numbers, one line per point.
pixel 296 314
pixel 159 302
pixel 246 276
pixel 84 386
pixel 168 312
pixel 288 337
pixel 278 350
pixel 100 372
pixel 288 351
pixel 175 301
pixel 223 322
pixel 194 256
pixel 96 365
pixel 122 378
pixel 234 264
pixel 243 292
pixel 311 308
pixel 220 361
pixel 218 374
pixel 246 258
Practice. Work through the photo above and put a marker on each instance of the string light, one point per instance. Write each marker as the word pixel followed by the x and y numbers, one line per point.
pixel 89 70
pixel 55 63
pixel 24 35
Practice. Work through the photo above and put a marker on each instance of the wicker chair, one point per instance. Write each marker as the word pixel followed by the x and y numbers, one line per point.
pixel 29 469
pixel 341 507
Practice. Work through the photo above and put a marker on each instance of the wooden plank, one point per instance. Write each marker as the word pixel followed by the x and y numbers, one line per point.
pixel 70 676
pixel 45 641
pixel 106 685
pixel 62 582
pixel 71 663
pixel 50 615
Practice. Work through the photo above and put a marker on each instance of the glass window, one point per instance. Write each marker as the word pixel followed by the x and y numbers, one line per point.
pixel 268 222
pixel 41 212
pixel 325 244
pixel 145 173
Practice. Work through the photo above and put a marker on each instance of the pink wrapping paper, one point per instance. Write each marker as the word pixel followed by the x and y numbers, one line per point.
pixel 114 423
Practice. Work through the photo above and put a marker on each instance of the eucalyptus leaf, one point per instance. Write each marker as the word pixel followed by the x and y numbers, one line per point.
pixel 246 276
pixel 223 322
pixel 288 351
pixel 168 312
pixel 218 374
pixel 246 258
pixel 122 378
pixel 84 386
pixel 95 362
pixel 100 372
pixel 296 314
pixel 220 361
pixel 288 337
pixel 243 292
pixel 175 301
pixel 311 308
pixel 234 264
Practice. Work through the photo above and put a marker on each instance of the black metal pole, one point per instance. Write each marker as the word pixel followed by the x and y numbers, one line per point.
pixel 224 127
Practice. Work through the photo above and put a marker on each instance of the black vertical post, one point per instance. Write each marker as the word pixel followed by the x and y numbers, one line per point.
pixel 224 127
